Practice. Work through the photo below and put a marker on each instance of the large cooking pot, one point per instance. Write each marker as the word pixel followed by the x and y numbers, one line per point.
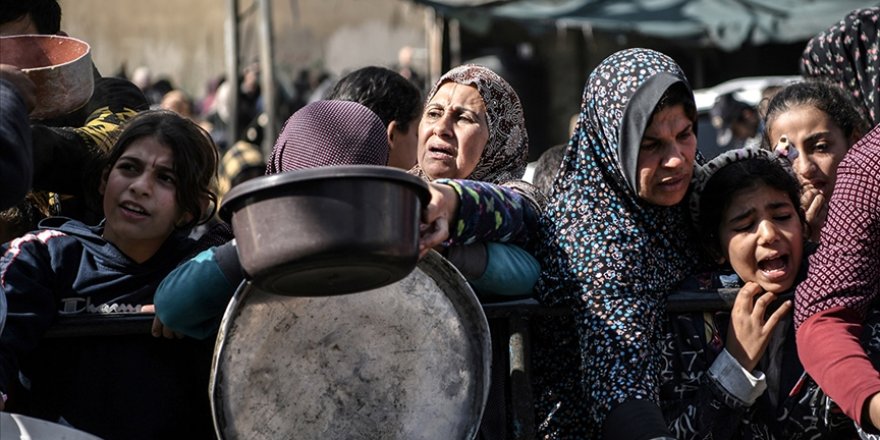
pixel 60 67
pixel 407 361
pixel 328 230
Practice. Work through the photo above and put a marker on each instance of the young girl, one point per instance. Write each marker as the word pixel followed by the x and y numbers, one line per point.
pixel 820 122
pixel 747 382
pixel 156 186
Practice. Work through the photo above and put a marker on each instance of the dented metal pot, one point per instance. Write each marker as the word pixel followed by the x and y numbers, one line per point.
pixel 328 230
pixel 60 67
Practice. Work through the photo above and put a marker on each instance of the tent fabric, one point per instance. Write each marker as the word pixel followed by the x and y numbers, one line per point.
pixel 726 24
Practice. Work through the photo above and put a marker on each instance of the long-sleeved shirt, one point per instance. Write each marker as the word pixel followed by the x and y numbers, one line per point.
pixel 843 283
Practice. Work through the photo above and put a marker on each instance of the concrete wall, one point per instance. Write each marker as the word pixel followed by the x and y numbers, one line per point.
pixel 183 39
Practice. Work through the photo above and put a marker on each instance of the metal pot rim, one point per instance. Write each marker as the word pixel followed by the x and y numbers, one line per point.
pixel 268 186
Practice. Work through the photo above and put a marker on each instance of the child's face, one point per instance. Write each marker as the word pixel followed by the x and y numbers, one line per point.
pixel 139 199
pixel 762 237
pixel 820 144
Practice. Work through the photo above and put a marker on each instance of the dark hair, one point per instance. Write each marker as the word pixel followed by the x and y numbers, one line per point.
pixel 46 14
pixel 195 158
pixel 678 93
pixel 547 166
pixel 384 91
pixel 735 177
pixel 829 98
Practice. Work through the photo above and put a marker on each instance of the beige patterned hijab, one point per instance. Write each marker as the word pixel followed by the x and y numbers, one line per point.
pixel 506 153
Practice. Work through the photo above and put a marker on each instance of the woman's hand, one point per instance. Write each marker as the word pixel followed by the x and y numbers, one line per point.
pixel 437 216
pixel 159 330
pixel 815 209
pixel 749 333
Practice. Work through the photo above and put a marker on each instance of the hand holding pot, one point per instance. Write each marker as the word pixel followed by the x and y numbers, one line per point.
pixel 437 216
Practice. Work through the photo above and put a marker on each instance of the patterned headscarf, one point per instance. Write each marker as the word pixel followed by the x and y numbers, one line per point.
pixel 607 254
pixel 327 133
pixel 847 55
pixel 506 153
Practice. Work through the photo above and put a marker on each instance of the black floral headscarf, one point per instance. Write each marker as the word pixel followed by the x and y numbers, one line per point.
pixel 847 55
pixel 607 254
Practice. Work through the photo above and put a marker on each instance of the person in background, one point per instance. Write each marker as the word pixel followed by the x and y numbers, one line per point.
pixel 735 122
pixel 616 239
pixel 397 102
pixel 815 124
pixel 179 102
pixel 405 67
pixel 156 186
pixel 546 167
pixel 241 163
pixel 68 150
pixel 848 55
pixel 16 161
pixel 550 161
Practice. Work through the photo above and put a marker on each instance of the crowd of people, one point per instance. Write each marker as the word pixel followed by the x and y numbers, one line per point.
pixel 112 210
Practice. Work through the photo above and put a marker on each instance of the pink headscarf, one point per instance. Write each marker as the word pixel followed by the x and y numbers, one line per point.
pixel 327 133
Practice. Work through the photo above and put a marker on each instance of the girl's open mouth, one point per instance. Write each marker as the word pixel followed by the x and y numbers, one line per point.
pixel 775 268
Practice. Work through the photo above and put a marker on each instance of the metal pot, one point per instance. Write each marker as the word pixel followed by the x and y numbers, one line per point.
pixel 408 361
pixel 328 230
pixel 60 67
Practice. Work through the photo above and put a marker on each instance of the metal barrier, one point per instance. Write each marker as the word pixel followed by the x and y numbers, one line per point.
pixel 511 391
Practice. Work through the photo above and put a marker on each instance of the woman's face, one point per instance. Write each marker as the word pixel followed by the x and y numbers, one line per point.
pixel 140 203
pixel 666 157
pixel 453 132
pixel 820 144
pixel 762 237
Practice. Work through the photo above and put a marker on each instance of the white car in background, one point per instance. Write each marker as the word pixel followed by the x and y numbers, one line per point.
pixel 749 90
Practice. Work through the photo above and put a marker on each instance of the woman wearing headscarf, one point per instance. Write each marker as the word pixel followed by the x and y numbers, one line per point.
pixel 616 239
pixel 192 298
pixel 473 128
pixel 848 54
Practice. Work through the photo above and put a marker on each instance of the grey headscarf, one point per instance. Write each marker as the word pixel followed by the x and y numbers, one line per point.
pixel 506 153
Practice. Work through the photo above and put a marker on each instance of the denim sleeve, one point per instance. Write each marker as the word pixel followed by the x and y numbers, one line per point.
pixel 192 298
